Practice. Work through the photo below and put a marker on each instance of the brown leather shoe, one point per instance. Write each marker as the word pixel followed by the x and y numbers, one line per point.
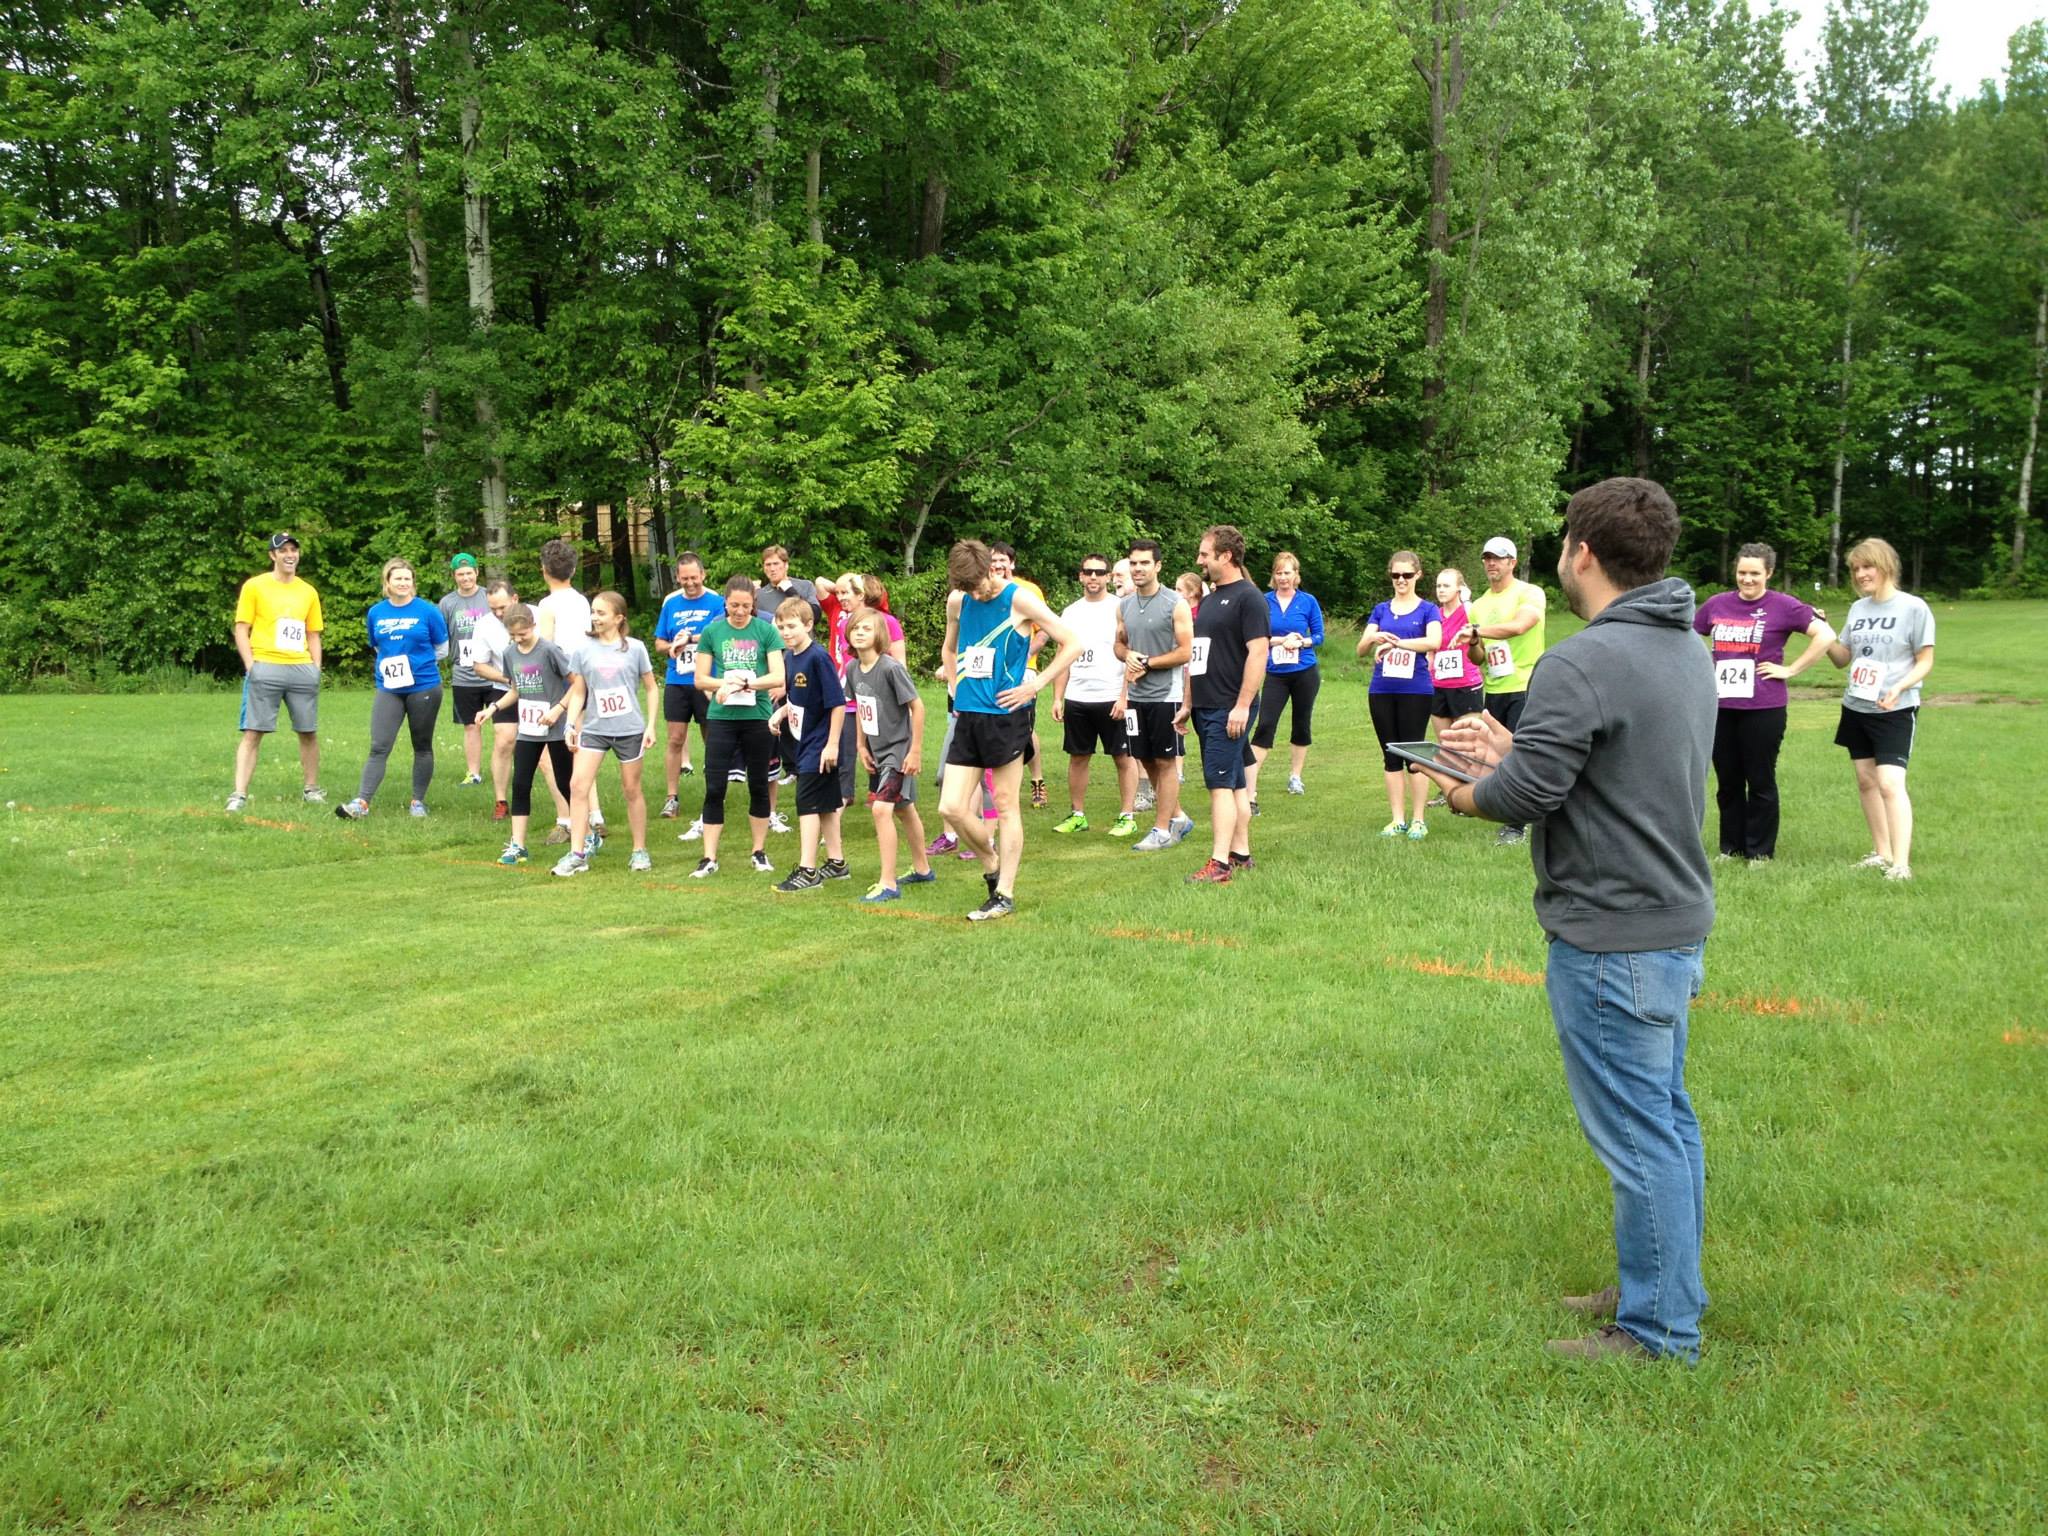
pixel 1598 1304
pixel 1609 1342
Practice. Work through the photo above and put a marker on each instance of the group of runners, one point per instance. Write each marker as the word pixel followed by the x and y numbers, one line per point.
pixel 806 682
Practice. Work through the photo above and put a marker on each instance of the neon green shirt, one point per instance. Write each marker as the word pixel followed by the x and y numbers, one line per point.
pixel 1509 661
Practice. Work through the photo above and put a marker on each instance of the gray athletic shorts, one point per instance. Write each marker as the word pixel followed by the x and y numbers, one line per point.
pixel 626 748
pixel 271 683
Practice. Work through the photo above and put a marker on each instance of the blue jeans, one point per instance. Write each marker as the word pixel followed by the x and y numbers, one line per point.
pixel 1621 1022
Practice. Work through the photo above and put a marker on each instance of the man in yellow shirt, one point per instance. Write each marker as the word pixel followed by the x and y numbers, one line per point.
pixel 277 630
pixel 1506 635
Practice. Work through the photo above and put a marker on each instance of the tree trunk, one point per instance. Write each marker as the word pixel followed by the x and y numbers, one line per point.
pixel 483 310
pixel 1642 421
pixel 2019 521
pixel 814 184
pixel 931 222
pixel 1436 72
pixel 1842 426
pixel 406 94
pixel 764 163
pixel 622 550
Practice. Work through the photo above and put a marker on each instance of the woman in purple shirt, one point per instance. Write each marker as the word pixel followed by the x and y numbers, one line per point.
pixel 1746 631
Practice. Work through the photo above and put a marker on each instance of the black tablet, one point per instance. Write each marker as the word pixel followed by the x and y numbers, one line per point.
pixel 1435 755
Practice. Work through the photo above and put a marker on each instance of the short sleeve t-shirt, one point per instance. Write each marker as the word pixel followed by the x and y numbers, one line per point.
pixel 842 651
pixel 462 615
pixel 682 620
pixel 882 696
pixel 792 586
pixel 1452 667
pixel 1230 618
pixel 611 687
pixel 1392 675
pixel 1743 636
pixel 1096 676
pixel 1509 662
pixel 541 678
pixel 488 641
pixel 1148 630
pixel 812 689
pixel 403 640
pixel 282 616
pixel 571 610
pixel 731 650
pixel 1883 638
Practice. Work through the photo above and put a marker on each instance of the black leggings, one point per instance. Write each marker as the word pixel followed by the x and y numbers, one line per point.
pixel 526 755
pixel 752 743
pixel 418 712
pixel 1746 743
pixel 1398 717
pixel 1300 687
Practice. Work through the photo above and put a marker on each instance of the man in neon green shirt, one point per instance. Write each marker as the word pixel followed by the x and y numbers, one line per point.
pixel 1506 636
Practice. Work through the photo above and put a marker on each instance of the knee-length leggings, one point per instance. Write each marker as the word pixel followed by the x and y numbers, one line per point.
pixel 418 711
pixel 748 741
pixel 526 756
pixel 1282 687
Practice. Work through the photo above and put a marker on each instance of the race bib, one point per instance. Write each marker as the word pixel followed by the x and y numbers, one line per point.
pixel 395 672
pixel 290 635
pixel 1866 679
pixel 1398 663
pixel 1131 720
pixel 533 717
pixel 1735 678
pixel 796 721
pixel 1447 665
pixel 465 653
pixel 1500 661
pixel 686 658
pixel 1198 659
pixel 870 716
pixel 612 703
pixel 742 696
pixel 1286 653
pixel 978 661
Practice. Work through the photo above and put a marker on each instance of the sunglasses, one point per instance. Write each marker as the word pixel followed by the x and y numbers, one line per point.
pixel 1094 570
pixel 1404 575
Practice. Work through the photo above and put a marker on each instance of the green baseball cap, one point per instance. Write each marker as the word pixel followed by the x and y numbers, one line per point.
pixel 461 560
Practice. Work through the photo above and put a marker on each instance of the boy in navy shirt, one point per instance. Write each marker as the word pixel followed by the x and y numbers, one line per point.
pixel 814 708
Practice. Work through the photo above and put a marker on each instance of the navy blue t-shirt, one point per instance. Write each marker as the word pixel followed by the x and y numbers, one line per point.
pixel 813 688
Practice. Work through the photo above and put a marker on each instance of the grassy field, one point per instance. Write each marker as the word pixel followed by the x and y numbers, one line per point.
pixel 351 1183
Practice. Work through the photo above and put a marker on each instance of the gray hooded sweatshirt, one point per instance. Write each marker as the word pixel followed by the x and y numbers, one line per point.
pixel 1609 767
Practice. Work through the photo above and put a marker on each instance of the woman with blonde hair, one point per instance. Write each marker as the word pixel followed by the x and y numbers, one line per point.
pixel 408 639
pixel 1887 643
pixel 1295 622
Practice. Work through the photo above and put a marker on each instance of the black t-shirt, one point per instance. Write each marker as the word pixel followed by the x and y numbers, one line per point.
pixel 1229 619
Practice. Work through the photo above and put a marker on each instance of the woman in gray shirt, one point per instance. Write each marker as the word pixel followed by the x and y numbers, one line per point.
pixel 1887 643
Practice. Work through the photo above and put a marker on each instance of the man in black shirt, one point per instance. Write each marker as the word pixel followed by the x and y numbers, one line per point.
pixel 1227 669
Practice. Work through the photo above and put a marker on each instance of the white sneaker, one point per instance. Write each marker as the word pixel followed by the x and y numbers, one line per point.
pixel 694 834
pixel 1146 799
pixel 1873 861
pixel 1294 786
pixel 237 803
pixel 571 864
pixel 314 796
pixel 705 869
pixel 1182 826
pixel 1154 840
pixel 1898 872
pixel 777 822
pixel 761 864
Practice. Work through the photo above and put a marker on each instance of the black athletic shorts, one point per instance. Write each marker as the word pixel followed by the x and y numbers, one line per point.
pixel 817 794
pixel 1149 728
pixel 682 703
pixel 469 702
pixel 989 741
pixel 1886 737
pixel 1087 723
pixel 1455 703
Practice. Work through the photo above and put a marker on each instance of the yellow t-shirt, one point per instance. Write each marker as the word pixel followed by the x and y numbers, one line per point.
pixel 1031 661
pixel 265 604
pixel 1508 671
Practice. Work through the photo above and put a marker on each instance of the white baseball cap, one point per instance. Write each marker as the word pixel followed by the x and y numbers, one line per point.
pixel 1505 548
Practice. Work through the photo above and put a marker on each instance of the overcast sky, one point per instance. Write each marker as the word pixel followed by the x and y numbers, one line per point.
pixel 1969 37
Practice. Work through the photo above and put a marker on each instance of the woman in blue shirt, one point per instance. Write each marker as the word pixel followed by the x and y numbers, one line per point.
pixel 1296 622
pixel 408 638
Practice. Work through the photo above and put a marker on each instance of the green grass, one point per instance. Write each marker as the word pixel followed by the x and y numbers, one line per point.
pixel 351 1183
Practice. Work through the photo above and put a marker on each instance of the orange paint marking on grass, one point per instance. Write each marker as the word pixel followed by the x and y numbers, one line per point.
pixel 1767 1006
pixel 889 909
pixel 1486 970
pixel 1187 936
pixel 152 810
pixel 2026 1037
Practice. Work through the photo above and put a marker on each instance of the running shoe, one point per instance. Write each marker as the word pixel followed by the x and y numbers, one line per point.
pixel 1154 840
pixel 777 822
pixel 557 835
pixel 916 878
pixel 1508 837
pixel 759 859
pixel 314 796
pixel 514 854
pixel 500 810
pixel 237 803
pixel 1075 822
pixel 693 833
pixel 417 810
pixel 353 810
pixel 640 860
pixel 669 807
pixel 571 864
pixel 1181 826
pixel 592 841
pixel 687 771
pixel 1124 826
pixel 469 779
pixel 879 893
pixel 1255 807
pixel 1873 861
pixel 1394 829
pixel 1898 872
pixel 1294 785
pixel 1039 798
pixel 1240 863
pixel 1438 801
pixel 597 826
pixel 1212 872
pixel 705 869
pixel 835 869
pixel 1417 831
pixel 989 878
pixel 801 880
pixel 945 842
pixel 1146 799
pixel 995 907
pixel 962 851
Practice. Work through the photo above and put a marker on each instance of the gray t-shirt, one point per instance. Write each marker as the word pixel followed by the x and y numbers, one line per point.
pixel 1148 629
pixel 611 687
pixel 541 679
pixel 881 700
pixel 1883 639
pixel 461 615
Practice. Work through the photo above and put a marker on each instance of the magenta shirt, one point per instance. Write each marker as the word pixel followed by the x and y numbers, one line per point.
pixel 1757 630
pixel 1467 676
pixel 842 653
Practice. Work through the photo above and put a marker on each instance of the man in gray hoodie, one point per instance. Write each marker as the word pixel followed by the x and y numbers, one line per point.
pixel 1609 764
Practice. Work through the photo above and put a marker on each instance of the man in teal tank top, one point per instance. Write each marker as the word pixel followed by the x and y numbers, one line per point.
pixel 988 642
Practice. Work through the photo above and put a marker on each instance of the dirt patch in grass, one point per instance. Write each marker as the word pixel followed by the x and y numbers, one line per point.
pixel 1935 700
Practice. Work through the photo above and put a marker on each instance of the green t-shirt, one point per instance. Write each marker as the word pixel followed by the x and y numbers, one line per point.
pixel 1509 673
pixel 739 650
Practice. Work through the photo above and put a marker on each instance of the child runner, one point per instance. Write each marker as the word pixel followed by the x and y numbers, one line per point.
pixel 408 638
pixel 538 677
pixel 891 736
pixel 603 718
pixel 814 711
pixel 739 663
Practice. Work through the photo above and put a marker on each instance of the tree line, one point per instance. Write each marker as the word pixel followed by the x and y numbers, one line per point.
pixel 861 276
